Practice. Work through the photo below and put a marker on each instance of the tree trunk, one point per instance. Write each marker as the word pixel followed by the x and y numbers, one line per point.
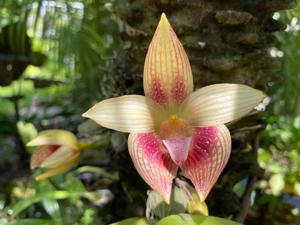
pixel 226 41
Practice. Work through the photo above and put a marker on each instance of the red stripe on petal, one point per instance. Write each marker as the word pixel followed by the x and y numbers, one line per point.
pixel 152 162
pixel 208 156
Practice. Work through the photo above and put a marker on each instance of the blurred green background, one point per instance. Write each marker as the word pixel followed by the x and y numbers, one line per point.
pixel 55 61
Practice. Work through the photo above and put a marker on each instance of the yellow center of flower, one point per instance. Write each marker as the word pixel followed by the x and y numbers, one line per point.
pixel 174 127
pixel 173 117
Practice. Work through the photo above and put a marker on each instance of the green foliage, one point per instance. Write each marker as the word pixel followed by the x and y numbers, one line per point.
pixel 33 222
pixel 285 89
pixel 27 131
pixel 53 196
pixel 180 219
pixel 280 155
pixel 132 221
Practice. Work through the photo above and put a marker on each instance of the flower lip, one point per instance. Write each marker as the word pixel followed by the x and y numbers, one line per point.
pixel 176 136
pixel 178 149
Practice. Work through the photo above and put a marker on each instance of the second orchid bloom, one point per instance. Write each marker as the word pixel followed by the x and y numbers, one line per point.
pixel 172 127
pixel 57 151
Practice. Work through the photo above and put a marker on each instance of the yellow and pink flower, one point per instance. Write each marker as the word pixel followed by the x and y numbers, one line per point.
pixel 172 127
pixel 58 151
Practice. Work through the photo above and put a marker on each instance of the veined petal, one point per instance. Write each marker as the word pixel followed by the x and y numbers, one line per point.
pixel 55 137
pixel 58 158
pixel 152 162
pixel 41 154
pixel 221 103
pixel 61 169
pixel 167 71
pixel 128 113
pixel 208 156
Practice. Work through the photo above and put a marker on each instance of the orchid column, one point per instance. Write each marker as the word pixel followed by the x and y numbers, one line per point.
pixel 172 127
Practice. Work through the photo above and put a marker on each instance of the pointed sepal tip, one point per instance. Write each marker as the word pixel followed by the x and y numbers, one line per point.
pixel 164 22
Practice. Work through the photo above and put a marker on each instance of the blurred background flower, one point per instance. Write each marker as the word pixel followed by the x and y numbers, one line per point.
pixel 58 151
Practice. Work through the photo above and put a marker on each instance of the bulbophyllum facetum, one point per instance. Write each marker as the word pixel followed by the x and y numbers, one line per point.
pixel 172 127
pixel 58 151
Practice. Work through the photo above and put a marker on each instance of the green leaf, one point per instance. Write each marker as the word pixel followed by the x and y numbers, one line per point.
pixel 180 219
pixel 186 219
pixel 23 204
pixel 98 171
pixel 26 130
pixel 32 222
pixel 174 220
pixel 239 188
pixel 132 221
pixel 207 220
pixel 52 208
pixel 72 184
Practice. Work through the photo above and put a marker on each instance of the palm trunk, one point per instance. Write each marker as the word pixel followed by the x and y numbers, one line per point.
pixel 226 41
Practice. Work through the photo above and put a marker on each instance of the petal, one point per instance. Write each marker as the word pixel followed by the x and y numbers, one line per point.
pixel 178 149
pixel 61 169
pixel 152 162
pixel 58 158
pixel 41 154
pixel 55 137
pixel 221 103
pixel 167 71
pixel 208 156
pixel 128 113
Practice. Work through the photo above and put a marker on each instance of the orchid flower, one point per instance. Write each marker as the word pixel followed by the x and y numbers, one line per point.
pixel 58 151
pixel 172 127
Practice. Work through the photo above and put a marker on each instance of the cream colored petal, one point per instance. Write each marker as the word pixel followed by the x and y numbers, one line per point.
pixel 128 113
pixel 55 137
pixel 167 76
pixel 61 169
pixel 58 158
pixel 221 103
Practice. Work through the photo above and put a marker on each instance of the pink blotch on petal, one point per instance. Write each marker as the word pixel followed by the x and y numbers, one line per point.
pixel 179 92
pixel 157 92
pixel 204 140
pixel 152 162
pixel 208 156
